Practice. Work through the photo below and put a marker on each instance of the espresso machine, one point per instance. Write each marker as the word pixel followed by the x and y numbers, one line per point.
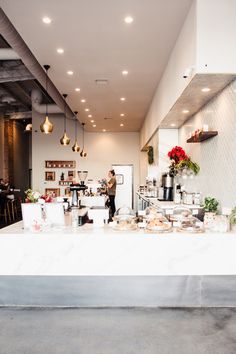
pixel 168 186
pixel 76 187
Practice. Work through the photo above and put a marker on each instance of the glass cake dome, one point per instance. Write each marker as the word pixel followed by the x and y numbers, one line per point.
pixel 124 213
pixel 125 219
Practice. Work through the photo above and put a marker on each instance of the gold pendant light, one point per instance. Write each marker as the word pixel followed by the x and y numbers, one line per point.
pixel 65 140
pixel 76 147
pixel 83 153
pixel 46 127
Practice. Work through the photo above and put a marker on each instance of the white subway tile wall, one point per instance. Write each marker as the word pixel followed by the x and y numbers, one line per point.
pixel 216 156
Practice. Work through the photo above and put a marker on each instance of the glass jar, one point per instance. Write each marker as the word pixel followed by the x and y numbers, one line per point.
pixel 189 198
pixel 197 198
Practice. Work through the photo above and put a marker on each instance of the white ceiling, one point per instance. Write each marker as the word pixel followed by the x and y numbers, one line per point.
pixel 98 44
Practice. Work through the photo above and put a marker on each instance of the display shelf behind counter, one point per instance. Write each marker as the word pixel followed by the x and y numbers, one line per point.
pixel 166 206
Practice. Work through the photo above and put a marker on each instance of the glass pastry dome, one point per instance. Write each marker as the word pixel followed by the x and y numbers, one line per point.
pixel 152 212
pixel 125 219
pixel 179 213
pixel 124 213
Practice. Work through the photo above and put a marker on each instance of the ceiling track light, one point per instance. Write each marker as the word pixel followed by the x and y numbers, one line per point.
pixel 83 153
pixel 76 147
pixel 46 127
pixel 65 140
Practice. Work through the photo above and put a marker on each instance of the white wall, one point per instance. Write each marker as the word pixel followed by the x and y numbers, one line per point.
pixel 104 149
pixel 168 138
pixel 172 82
pixel 206 43
pixel 216 156
pixel 152 169
pixel 162 142
pixel 216 28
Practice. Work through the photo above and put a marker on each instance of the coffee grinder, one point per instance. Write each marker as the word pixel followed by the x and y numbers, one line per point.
pixel 76 187
pixel 167 184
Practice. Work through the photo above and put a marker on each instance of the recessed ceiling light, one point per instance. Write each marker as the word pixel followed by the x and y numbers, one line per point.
pixel 90 115
pixel 125 72
pixel 121 124
pixel 83 100
pixel 94 125
pixel 92 121
pixel 60 50
pixel 185 111
pixel 69 72
pixel 46 20
pixel 104 130
pixel 128 19
pixel 173 125
pixel 77 89
pixel 206 89
pixel 86 109
pixel 122 114
pixel 122 99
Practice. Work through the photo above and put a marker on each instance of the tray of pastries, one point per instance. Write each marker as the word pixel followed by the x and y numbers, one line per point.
pixel 190 224
pixel 158 225
pixel 125 219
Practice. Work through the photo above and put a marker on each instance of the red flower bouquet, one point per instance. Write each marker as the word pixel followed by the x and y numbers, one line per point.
pixel 180 160
pixel 177 154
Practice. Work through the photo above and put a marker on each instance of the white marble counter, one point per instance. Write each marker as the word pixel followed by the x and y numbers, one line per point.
pixel 103 251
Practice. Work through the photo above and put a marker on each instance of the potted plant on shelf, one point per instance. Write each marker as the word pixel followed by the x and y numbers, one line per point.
pixel 150 153
pixel 232 219
pixel 210 207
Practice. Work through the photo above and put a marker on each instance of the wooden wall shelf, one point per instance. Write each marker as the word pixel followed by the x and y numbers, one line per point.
pixel 60 164
pixel 65 183
pixel 198 138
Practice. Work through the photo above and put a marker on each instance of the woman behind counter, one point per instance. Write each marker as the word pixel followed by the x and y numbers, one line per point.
pixel 111 191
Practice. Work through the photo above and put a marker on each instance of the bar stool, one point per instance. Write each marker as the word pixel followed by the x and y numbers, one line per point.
pixel 12 203
pixel 5 212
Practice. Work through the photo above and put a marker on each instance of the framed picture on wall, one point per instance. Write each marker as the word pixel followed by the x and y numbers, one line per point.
pixel 50 176
pixel 54 192
pixel 71 175
pixel 120 179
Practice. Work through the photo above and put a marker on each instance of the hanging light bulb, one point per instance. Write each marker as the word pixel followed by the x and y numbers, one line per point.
pixel 28 128
pixel 46 127
pixel 65 140
pixel 83 153
pixel 76 147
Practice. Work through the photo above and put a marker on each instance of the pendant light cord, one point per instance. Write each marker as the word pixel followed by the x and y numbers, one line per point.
pixel 83 134
pixel 65 118
pixel 46 67
pixel 76 125
pixel 47 92
pixel 65 95
pixel 75 129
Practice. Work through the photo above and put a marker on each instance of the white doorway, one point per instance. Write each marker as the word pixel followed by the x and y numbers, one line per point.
pixel 124 188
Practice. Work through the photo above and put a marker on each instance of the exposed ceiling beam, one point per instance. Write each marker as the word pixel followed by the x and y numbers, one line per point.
pixel 16 42
pixel 21 115
pixel 18 92
pixel 14 74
